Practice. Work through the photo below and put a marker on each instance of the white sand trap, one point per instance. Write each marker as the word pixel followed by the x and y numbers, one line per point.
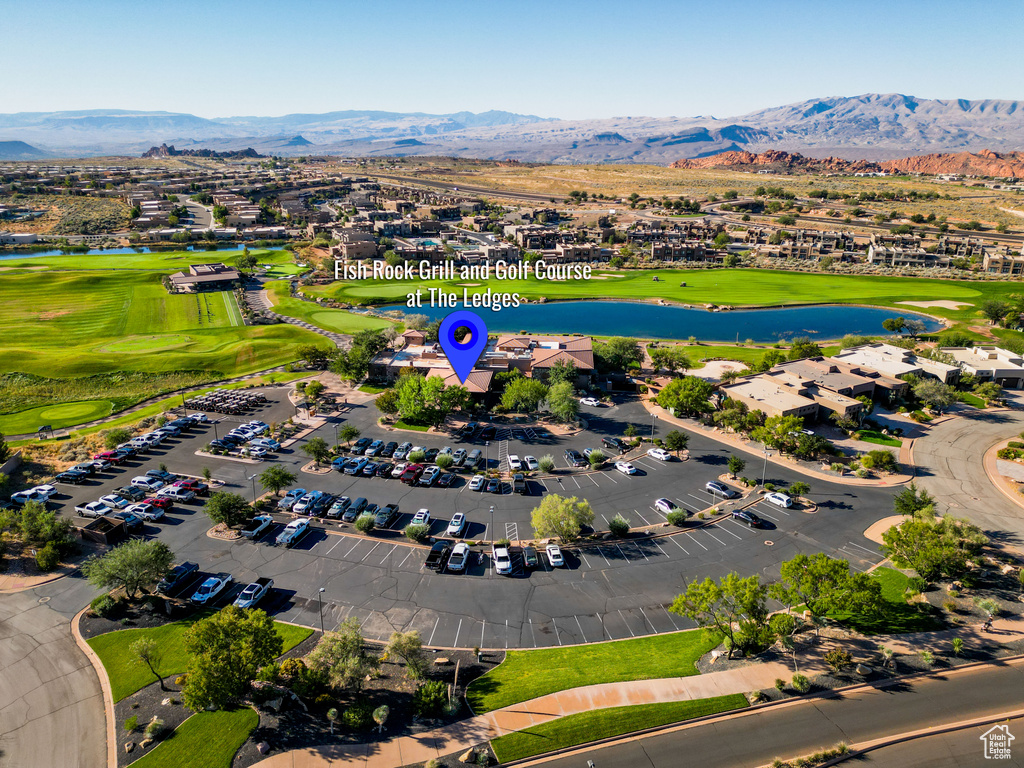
pixel 468 285
pixel 713 369
pixel 944 304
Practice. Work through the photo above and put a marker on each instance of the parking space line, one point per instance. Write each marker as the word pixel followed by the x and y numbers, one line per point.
pixel 645 465
pixel 709 533
pixel 389 554
pixel 669 614
pixel 557 636
pixel 765 514
pixel 638 549
pixel 609 477
pixel 340 539
pixel 371 550
pixel 601 552
pixel 456 643
pixel 411 550
pixel 646 521
pixel 482 625
pixel 430 640
pixel 647 620
pixel 858 546
pixel 604 630
pixel 659 547
pixel 584 559
pixel 759 507
pixel 688 505
pixel 673 540
pixel 545 486
pixel 582 633
pixel 726 530
pixel 532 635
pixel 358 542
pixel 697 542
pixel 698 498
pixel 621 552
pixel 576 481
pixel 506 635
pixel 591 478
pixel 631 633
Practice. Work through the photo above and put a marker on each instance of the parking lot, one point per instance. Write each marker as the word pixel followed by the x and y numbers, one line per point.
pixel 607 590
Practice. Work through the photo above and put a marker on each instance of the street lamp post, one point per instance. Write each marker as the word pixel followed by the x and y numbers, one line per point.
pixel 492 539
pixel 654 416
pixel 764 470
pixel 184 407
pixel 320 603
pixel 487 455
pixel 253 478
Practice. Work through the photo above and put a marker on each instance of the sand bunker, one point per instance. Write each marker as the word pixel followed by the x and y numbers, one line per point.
pixel 468 285
pixel 944 304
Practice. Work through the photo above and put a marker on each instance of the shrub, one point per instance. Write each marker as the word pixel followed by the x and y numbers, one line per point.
pixel 365 524
pixel 769 486
pixel 780 684
pixel 154 728
pixel 1008 454
pixel 949 606
pixel 430 698
pixel 131 724
pixel 47 558
pixel 801 684
pixel 418 533
pixel 103 606
pixel 1015 444
pixel 596 458
pixel 676 517
pixel 927 657
pixel 838 659
pixel 502 542
pixel 358 717
pixel 180 680
pixel 416 457
pixel 619 526
pixel 323 699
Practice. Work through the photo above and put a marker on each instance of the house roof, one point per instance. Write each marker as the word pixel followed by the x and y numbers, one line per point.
pixel 545 358
pixel 477 382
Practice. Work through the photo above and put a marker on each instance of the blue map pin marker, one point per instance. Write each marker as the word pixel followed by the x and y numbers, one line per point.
pixel 462 356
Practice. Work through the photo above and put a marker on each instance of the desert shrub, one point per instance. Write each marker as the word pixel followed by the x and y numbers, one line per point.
pixel 154 728
pixel 365 524
pixel 417 533
pixel 131 724
pixel 676 517
pixel 619 526
pixel 180 680
pixel 838 659
pixel 430 698
pixel 47 558
pixel 801 684
pixel 780 684
pixel 358 717
pixel 103 606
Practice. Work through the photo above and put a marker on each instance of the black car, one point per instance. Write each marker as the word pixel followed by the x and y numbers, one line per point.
pixel 384 469
pixel 360 446
pixel 72 476
pixel 162 474
pixel 615 444
pixel 747 517
pixel 530 559
pixel 489 432
pixel 87 467
pixel 131 493
pixel 221 445
pixel 429 455
pixel 231 440
pixel 177 576
pixel 445 480
pixel 389 450
pixel 574 458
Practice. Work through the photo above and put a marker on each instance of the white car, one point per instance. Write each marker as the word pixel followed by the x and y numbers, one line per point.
pixel 531 463
pixel 114 501
pixel 665 506
pixel 459 557
pixel 254 451
pixel 660 454
pixel 456 526
pixel 293 531
pixel 402 451
pixel 779 499
pixel 46 490
pixel 514 462
pixel 502 561
pixel 212 587
pixel 554 556
pixel 421 518
pixel 93 509
pixel 147 483
pixel 266 442
pixel 292 496
pixel 477 483
pixel 399 469
pixel 625 467
pixel 24 497
pixel 199 418
pixel 145 511
pixel 593 402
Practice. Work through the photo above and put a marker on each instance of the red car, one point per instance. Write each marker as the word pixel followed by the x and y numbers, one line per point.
pixel 160 501
pixel 191 484
pixel 112 456
pixel 412 474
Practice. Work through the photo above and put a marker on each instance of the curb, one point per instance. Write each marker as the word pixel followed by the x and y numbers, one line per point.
pixel 108 698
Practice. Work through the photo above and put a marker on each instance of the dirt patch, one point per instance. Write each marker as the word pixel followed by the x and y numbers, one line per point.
pixel 20 269
pixel 53 314
pixel 942 304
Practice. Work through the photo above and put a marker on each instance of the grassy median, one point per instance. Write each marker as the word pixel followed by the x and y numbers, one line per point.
pixel 205 740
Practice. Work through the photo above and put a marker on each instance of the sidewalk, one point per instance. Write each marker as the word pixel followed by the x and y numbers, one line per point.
pixel 755 450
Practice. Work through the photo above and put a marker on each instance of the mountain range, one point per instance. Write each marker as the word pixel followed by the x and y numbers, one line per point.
pixel 872 127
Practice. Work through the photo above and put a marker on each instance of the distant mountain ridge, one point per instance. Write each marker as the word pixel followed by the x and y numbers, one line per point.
pixel 867 127
pixel 19 150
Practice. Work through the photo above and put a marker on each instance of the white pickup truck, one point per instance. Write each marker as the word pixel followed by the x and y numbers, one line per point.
pixel 253 593
pixel 93 509
pixel 257 526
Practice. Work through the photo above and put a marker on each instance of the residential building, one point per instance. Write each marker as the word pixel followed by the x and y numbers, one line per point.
pixel 990 363
pixel 1003 263
pixel 898 362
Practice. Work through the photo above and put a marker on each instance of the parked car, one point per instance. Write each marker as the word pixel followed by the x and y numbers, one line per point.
pixel 160 501
pixel 131 493
pixel 665 506
pixel 386 515
pixel 502 560
pixel 748 517
pixel 181 495
pixel 86 467
pixel 255 527
pixel 514 462
pixel 307 503
pixel 477 483
pixel 293 532
pixel 355 466
pixel 574 458
pixel 402 451
pixel 554 555
pixel 211 587
pixel 266 442
pixel 438 555
pixel 660 454
pixel 339 506
pixel 422 517
pixel 615 444
pixel 253 451
pixel 530 559
pixel 779 499
pixel 253 593
pixel 72 477
pixel 412 474
pixel 625 467
pixel 716 488
pixel 177 576
pixel 147 483
pixel 399 469
pixel 489 432
pixel 370 469
pixel 114 457
pixel 494 485
pixel 93 509
pixel 114 501
pixel 475 458
pixel 519 484
pixel 359 446
pixel 290 497
pixel 196 486
pixel 459 557
pixel 374 448
pixel 384 469
pixel 145 511
pixel 593 402
pixel 429 476
pixel 445 480
pixel 456 525
pixel 531 463
pixel 459 457
pixel 388 451
pixel 131 522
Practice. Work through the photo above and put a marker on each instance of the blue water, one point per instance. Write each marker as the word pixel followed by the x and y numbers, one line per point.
pixel 109 251
pixel 624 318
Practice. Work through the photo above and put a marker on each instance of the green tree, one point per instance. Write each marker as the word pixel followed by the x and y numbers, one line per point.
pixel 736 465
pixel 130 566
pixel 561 517
pixel 617 354
pixel 348 433
pixel 676 441
pixel 226 651
pixel 341 656
pixel 408 646
pixel 314 389
pixel 995 310
pixel 825 585
pixel 934 394
pixel 688 395
pixel 228 508
pixel 316 356
pixel 351 364
pixel 317 449
pixel 146 651
pixel 562 401
pixel 562 370
pixel 894 324
pixel 880 460
pixel 728 607
pixel 39 526
pixel 936 549
pixel 671 359
pixel 779 432
pixel 524 395
pixel 769 360
pixel 373 340
pixel 803 347
pixel 799 488
pixel 910 501
pixel 387 402
pixel 114 437
pixel 276 478
pixel 427 400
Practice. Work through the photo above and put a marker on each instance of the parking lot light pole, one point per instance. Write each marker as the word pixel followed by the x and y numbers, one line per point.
pixel 764 470
pixel 654 416
pixel 183 405
pixel 492 539
pixel 320 603
pixel 487 455
pixel 253 478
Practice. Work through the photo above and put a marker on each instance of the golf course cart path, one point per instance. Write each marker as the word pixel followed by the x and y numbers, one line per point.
pixel 51 707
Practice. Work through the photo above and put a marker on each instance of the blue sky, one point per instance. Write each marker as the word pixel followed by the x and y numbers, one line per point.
pixel 559 58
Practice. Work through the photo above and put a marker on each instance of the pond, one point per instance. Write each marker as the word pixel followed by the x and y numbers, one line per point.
pixel 625 318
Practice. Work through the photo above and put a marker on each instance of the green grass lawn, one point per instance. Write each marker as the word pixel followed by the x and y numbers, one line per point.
pixel 897 616
pixel 57 416
pixel 585 727
pixel 205 740
pixel 526 675
pixel 337 320
pixel 164 261
pixel 284 271
pixel 735 287
pixel 970 399
pixel 399 424
pixel 874 436
pixel 371 390
pixel 126 677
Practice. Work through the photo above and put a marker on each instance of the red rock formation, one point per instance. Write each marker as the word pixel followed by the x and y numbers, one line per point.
pixel 984 163
pixel 778 160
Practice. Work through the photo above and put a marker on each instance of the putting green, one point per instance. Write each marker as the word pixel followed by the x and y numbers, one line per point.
pixel 57 416
pixel 146 343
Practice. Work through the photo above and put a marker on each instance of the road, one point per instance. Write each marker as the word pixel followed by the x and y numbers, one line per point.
pixel 756 738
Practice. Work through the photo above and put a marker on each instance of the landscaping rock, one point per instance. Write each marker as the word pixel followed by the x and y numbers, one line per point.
pixel 167 702
pixel 440 661
pixel 468 757
pixel 129 746
pixel 274 705
pixel 263 747
pixel 863 669
pixel 145 743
